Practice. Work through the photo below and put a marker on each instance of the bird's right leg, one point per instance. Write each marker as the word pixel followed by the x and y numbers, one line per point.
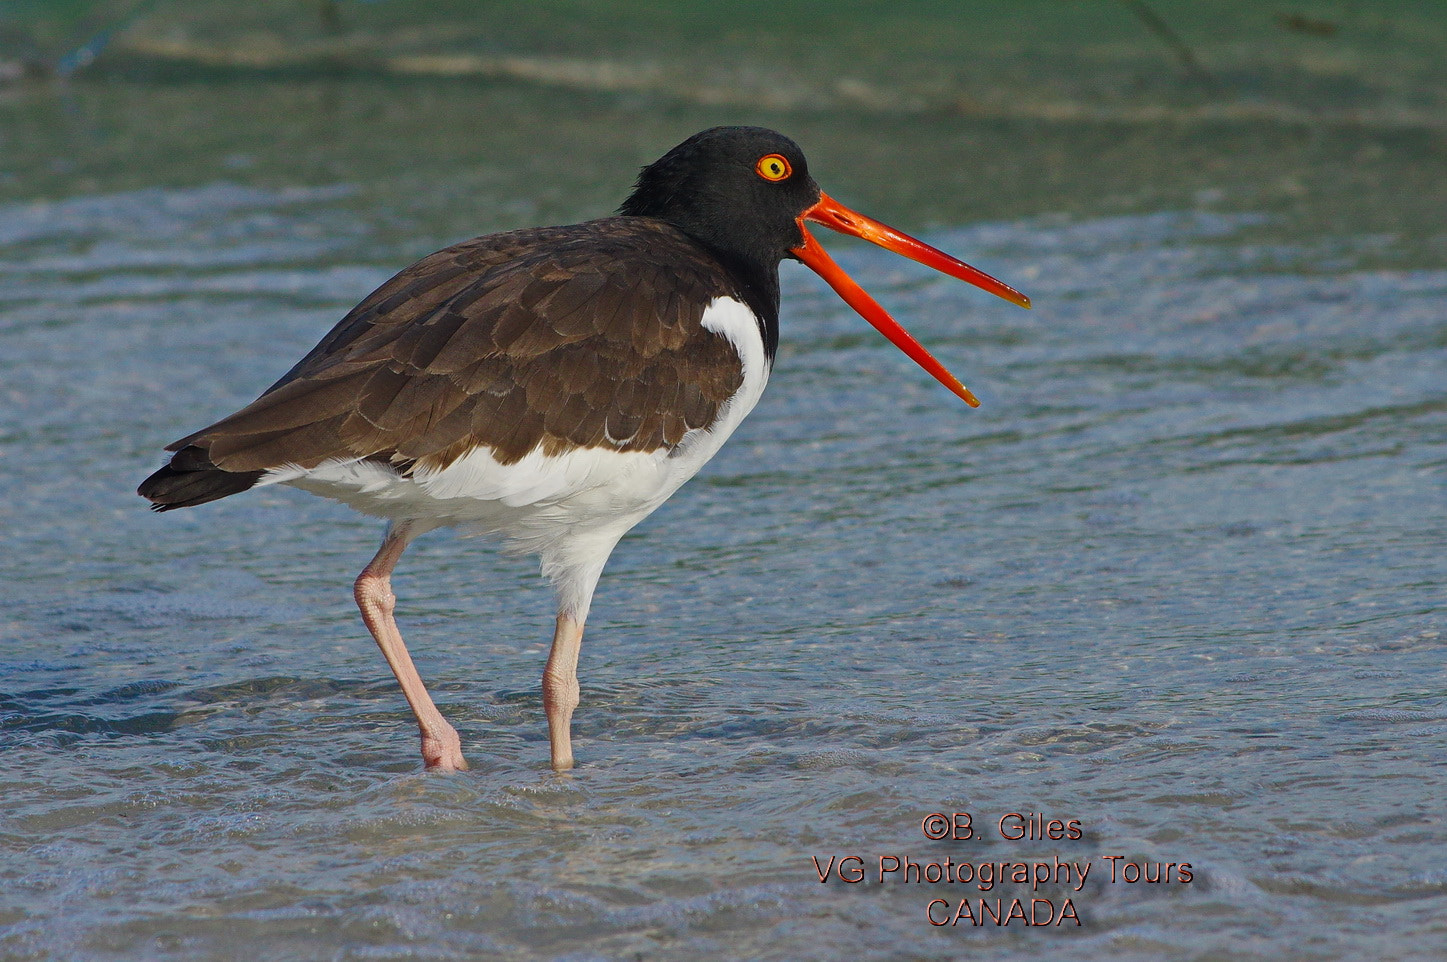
pixel 560 688
pixel 441 748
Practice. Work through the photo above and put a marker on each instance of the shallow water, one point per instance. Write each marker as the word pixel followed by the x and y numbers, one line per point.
pixel 1179 579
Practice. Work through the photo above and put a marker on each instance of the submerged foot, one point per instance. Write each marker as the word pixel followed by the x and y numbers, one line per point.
pixel 442 752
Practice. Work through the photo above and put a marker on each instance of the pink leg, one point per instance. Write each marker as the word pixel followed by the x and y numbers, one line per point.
pixel 441 748
pixel 560 689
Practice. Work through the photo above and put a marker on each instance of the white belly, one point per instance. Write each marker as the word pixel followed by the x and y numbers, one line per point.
pixel 570 509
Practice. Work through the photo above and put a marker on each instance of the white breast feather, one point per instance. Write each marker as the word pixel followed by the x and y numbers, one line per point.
pixel 570 509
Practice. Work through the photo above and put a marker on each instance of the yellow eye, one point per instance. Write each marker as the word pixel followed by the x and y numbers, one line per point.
pixel 773 167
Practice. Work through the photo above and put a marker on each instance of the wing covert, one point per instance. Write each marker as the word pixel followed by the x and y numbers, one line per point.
pixel 512 341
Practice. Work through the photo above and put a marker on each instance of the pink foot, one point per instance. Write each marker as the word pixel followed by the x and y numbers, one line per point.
pixel 442 752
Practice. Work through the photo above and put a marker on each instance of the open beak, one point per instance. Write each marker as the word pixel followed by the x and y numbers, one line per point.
pixel 836 216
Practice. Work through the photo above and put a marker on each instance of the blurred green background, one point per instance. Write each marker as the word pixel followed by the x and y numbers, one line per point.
pixel 464 117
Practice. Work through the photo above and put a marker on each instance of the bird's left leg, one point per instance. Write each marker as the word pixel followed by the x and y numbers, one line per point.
pixel 441 748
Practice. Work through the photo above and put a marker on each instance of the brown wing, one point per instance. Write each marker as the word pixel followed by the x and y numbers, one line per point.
pixel 586 336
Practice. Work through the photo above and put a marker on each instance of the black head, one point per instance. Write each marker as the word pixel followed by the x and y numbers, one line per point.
pixel 737 190
pixel 745 192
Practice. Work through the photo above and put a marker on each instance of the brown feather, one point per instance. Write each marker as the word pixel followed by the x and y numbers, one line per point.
pixel 558 337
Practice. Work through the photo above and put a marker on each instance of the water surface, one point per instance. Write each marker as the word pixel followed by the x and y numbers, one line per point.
pixel 1179 579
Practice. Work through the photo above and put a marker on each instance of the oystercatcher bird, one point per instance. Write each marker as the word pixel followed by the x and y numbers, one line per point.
pixel 550 387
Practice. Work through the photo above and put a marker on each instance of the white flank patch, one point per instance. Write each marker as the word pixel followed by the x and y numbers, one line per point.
pixel 569 509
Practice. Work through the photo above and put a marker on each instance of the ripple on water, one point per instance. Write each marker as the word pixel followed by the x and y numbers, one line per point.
pixel 1178 579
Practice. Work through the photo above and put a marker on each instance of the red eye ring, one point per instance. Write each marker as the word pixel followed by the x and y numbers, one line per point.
pixel 774 167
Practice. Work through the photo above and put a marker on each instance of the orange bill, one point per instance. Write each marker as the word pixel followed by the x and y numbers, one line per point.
pixel 836 216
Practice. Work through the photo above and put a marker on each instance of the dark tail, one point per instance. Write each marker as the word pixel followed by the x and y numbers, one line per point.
pixel 191 479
